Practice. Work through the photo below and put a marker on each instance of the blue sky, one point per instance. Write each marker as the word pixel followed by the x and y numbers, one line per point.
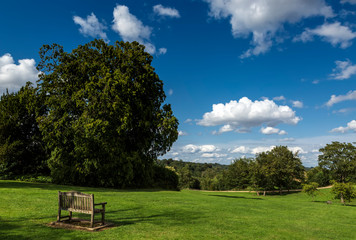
pixel 242 76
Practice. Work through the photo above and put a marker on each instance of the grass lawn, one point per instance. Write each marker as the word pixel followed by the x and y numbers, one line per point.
pixel 26 208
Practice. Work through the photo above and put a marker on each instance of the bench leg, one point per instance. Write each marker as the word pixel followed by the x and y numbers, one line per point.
pixel 59 215
pixel 70 215
pixel 103 215
pixel 92 220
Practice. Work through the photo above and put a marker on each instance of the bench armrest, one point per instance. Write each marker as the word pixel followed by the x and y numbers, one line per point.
pixel 103 203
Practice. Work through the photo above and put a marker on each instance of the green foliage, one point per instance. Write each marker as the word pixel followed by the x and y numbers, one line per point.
pixel 319 175
pixel 106 122
pixel 277 168
pixel 238 174
pixel 22 150
pixel 311 189
pixel 207 176
pixel 186 180
pixel 165 177
pixel 340 160
pixel 343 191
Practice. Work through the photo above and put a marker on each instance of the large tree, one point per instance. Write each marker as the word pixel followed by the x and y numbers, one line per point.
pixel 106 121
pixel 279 167
pixel 22 150
pixel 340 160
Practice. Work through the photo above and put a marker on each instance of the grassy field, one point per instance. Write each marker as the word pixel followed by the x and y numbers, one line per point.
pixel 26 208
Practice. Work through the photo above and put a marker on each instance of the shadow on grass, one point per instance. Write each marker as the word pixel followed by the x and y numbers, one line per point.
pixel 227 196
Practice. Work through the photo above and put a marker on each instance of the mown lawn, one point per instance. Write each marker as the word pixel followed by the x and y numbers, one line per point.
pixel 26 208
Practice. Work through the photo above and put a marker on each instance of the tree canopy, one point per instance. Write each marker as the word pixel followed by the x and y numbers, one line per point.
pixel 22 150
pixel 106 119
pixel 340 160
pixel 278 168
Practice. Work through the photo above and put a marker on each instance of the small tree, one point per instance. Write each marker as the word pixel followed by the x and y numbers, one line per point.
pixel 343 191
pixel 311 189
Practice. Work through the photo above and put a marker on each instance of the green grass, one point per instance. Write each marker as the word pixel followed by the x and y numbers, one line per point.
pixel 26 208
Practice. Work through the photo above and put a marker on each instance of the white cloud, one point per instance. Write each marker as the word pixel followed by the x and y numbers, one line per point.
pixel 334 33
pixel 349 1
pixel 181 133
pixel 280 98
pixel 297 150
pixel 343 70
pixel 241 149
pixel 351 95
pixel 91 26
pixel 263 19
pixel 213 155
pixel 244 114
pixel 257 150
pixel 297 104
pixel 188 120
pixel 271 130
pixel 223 129
pixel 166 11
pixel 287 140
pixel 162 51
pixel 132 29
pixel 351 126
pixel 191 148
pixel 14 76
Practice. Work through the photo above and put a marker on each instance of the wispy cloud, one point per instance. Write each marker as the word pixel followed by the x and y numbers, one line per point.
pixel 91 26
pixel 344 70
pixel 166 11
pixel 351 95
pixel 334 33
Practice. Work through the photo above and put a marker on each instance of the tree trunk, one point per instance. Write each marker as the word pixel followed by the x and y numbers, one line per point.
pixel 264 193
pixel 342 199
pixel 258 193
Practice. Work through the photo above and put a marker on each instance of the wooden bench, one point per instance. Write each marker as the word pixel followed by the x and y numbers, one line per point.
pixel 81 203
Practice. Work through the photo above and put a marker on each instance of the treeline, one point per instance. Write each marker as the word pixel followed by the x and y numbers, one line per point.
pixel 278 169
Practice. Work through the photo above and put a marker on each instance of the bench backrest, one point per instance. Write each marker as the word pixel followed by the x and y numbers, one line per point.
pixel 76 202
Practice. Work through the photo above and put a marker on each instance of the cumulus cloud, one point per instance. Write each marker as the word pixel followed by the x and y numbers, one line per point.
pixel 297 104
pixel 14 76
pixel 258 150
pixel 271 130
pixel 243 114
pixel 351 126
pixel 191 148
pixel 263 19
pixel 344 70
pixel 297 150
pixel 240 149
pixel 166 11
pixel 334 33
pixel 351 95
pixel 91 26
pixel 132 29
